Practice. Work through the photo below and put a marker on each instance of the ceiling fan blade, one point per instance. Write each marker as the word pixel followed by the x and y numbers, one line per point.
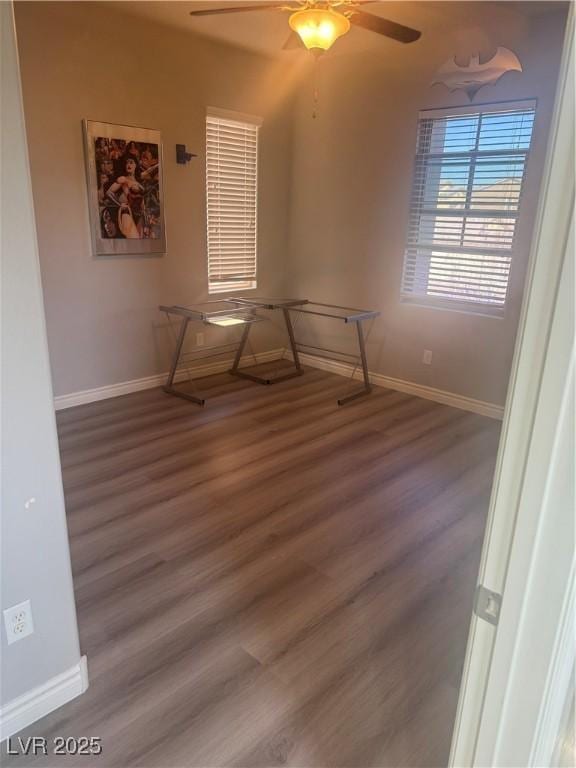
pixel 239 9
pixel 384 27
pixel 293 42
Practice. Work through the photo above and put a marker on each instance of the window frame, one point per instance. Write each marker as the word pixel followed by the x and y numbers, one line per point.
pixel 245 119
pixel 470 306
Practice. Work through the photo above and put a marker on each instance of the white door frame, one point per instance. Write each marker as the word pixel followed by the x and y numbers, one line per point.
pixel 512 693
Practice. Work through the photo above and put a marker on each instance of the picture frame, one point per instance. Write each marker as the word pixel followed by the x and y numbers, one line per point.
pixel 124 175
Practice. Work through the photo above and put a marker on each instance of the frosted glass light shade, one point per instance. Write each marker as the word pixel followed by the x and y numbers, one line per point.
pixel 319 28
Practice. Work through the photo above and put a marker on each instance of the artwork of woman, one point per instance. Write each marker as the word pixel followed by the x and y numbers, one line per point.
pixel 128 188
pixel 125 191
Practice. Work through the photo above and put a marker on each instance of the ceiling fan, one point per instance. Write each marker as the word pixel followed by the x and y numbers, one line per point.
pixel 319 23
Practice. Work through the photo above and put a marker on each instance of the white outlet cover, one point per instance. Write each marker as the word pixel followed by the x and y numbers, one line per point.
pixel 18 622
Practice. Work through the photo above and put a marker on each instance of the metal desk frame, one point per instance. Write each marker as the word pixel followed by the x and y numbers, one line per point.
pixel 245 309
pixel 285 305
pixel 347 315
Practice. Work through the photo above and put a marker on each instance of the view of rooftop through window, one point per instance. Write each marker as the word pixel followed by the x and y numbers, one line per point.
pixel 466 195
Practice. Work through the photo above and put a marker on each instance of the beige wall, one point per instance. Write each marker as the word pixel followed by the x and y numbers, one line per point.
pixel 353 172
pixel 87 60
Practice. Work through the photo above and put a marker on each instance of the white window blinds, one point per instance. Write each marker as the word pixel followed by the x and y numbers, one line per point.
pixel 466 193
pixel 232 192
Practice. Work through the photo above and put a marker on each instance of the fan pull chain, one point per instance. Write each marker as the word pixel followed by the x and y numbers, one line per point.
pixel 316 85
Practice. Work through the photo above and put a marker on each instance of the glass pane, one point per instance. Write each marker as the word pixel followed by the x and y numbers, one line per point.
pixel 508 130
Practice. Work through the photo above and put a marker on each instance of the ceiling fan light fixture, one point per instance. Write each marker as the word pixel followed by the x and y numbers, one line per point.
pixel 319 28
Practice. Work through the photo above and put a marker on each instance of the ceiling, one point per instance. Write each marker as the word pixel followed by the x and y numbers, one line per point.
pixel 266 31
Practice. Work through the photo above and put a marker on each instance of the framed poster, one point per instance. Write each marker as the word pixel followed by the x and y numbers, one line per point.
pixel 125 192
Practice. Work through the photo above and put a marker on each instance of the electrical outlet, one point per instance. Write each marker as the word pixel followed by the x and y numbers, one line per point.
pixel 18 621
pixel 199 339
pixel 427 357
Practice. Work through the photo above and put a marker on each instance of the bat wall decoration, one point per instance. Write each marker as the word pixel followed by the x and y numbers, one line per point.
pixel 476 75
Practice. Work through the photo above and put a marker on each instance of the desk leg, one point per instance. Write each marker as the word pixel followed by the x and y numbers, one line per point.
pixel 237 371
pixel 294 349
pixel 292 338
pixel 367 388
pixel 362 345
pixel 169 386
pixel 241 346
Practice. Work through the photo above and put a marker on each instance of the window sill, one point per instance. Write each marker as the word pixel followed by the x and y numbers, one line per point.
pixel 228 288
pixel 478 310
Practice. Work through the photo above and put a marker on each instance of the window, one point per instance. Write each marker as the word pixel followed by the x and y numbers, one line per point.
pixel 466 192
pixel 231 192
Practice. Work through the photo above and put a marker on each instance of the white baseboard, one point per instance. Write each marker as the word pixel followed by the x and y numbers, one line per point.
pixel 40 701
pixel 149 382
pixel 333 366
pixel 409 387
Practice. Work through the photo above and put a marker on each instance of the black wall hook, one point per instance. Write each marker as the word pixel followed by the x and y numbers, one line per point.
pixel 183 157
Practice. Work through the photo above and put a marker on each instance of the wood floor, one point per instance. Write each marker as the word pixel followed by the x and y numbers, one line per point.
pixel 271 580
